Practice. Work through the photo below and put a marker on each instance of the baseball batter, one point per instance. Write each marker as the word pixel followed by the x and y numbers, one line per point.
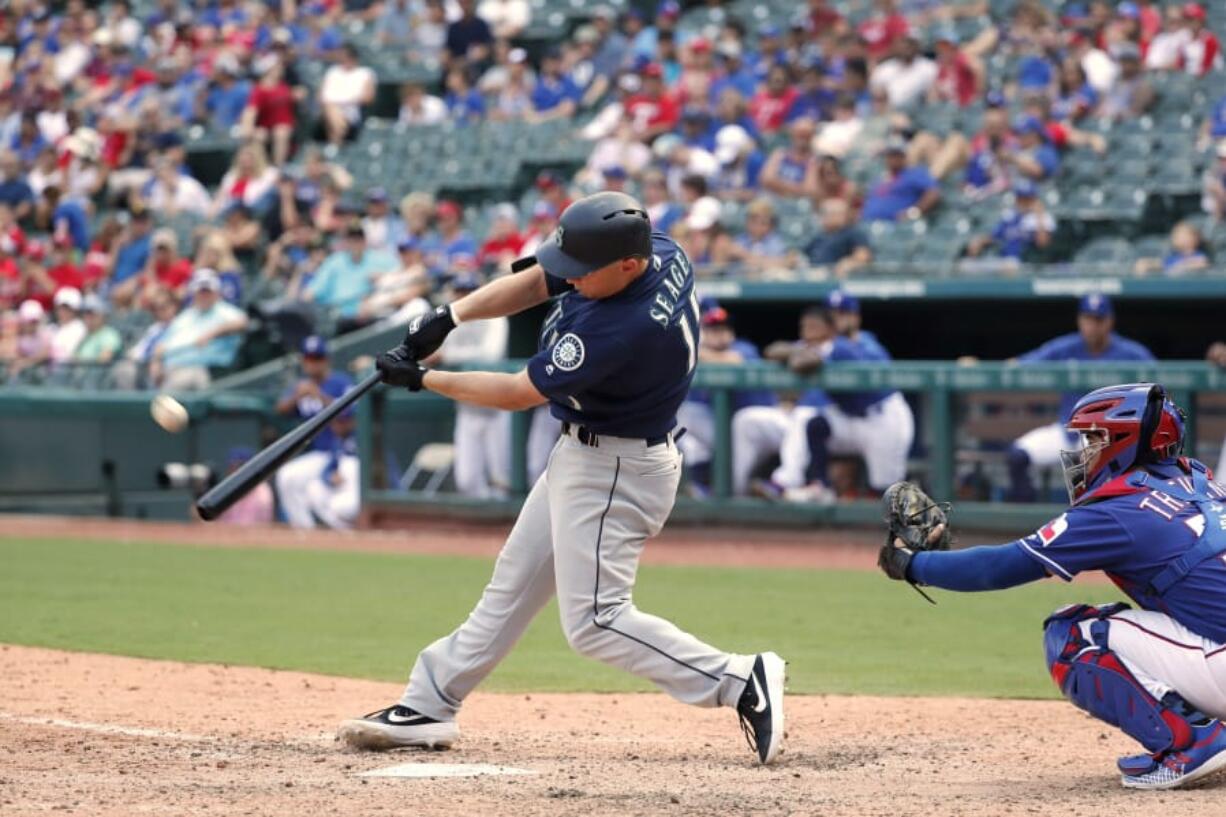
pixel 1155 522
pixel 619 354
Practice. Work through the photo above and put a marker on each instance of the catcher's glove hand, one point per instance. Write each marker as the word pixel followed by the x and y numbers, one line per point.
pixel 915 523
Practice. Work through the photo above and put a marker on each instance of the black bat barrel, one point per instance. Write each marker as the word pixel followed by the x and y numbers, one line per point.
pixel 257 469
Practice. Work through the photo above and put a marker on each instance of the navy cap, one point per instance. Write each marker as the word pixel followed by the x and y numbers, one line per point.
pixel 615 172
pixel 465 283
pixel 314 346
pixel 239 454
pixel 407 243
pixel 995 99
pixel 841 301
pixel 1095 304
pixel 376 194
pixel 1030 124
pixel 769 30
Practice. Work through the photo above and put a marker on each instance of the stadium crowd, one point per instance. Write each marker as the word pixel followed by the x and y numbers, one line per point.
pixel 99 107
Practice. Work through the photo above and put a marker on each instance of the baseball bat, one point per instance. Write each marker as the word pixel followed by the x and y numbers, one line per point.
pixel 257 469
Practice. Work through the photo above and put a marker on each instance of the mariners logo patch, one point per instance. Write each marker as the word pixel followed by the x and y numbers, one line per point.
pixel 568 352
pixel 1049 532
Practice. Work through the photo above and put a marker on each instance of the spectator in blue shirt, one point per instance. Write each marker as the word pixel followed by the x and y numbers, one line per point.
pixel 555 96
pixel 904 193
pixel 456 248
pixel 735 74
pixel 1034 158
pixel 226 96
pixel 469 38
pixel 816 100
pixel 1215 125
pixel 760 246
pixel 465 105
pixel 69 220
pixel 346 277
pixel 14 191
pixel 841 247
pixel 695 129
pixel 740 164
pixel 1022 230
pixel 29 142
pixel 134 247
pixel 1186 256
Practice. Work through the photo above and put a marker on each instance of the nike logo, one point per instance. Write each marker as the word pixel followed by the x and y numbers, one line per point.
pixel 392 717
pixel 760 706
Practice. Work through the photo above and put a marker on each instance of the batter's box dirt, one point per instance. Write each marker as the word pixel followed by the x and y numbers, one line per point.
pixel 100 735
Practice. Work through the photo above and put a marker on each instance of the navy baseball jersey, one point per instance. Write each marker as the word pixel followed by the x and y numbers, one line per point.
pixel 1072 347
pixel 622 365
pixel 334 385
pixel 745 397
pixel 1131 538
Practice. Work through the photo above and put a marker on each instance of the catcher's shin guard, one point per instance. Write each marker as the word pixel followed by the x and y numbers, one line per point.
pixel 1094 679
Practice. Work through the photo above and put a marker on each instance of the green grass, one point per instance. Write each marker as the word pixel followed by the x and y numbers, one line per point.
pixel 366 615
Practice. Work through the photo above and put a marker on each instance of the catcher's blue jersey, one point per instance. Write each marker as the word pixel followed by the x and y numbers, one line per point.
pixel 1132 537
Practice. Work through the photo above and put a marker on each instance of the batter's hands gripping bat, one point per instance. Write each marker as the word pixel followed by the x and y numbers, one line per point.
pixel 257 469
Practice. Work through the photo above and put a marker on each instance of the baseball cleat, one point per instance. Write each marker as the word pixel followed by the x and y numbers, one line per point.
pixel 814 493
pixel 395 727
pixel 1179 767
pixel 761 706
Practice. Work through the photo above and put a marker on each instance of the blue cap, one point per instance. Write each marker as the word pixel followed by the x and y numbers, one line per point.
pixel 314 346
pixel 1128 9
pixel 239 454
pixel 465 283
pixel 376 194
pixel 769 30
pixel 841 301
pixel 407 243
pixel 615 172
pixel 1095 304
pixel 1025 188
pixel 1030 124
pixel 995 99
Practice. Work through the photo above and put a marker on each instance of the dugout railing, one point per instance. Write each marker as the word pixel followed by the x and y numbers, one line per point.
pixel 938 391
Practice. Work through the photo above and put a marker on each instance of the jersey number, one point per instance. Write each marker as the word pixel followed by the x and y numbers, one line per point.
pixel 688 324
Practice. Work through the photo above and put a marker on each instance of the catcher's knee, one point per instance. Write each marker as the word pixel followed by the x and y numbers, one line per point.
pixel 1095 680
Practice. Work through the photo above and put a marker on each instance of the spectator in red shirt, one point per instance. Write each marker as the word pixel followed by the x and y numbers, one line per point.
pixel 62 272
pixel 823 18
pixel 271 112
pixel 882 29
pixel 553 189
pixel 1202 52
pixel 504 243
pixel 769 107
pixel 958 73
pixel 12 238
pixel 652 110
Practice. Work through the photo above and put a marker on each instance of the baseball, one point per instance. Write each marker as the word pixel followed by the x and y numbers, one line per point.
pixel 169 413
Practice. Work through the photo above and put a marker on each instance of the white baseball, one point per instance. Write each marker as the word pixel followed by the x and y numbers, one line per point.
pixel 169 413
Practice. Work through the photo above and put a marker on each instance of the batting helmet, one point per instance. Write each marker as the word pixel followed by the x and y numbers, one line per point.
pixel 593 232
pixel 1121 427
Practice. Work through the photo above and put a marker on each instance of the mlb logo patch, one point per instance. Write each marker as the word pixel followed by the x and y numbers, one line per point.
pixel 1049 532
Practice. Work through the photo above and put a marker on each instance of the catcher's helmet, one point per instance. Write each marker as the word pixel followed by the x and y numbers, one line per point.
pixel 1121 427
pixel 593 232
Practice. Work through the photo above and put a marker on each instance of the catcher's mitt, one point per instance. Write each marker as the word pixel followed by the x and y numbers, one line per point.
pixel 915 523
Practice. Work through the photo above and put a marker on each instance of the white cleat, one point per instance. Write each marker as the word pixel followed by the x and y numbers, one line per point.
pixel 396 727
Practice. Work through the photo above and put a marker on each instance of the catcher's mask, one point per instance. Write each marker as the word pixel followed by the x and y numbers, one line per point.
pixel 1119 427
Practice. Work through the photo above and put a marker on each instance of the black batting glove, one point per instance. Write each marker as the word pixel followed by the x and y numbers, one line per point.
pixel 400 369
pixel 894 561
pixel 427 332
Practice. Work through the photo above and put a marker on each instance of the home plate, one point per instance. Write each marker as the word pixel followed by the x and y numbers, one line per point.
pixel 444 770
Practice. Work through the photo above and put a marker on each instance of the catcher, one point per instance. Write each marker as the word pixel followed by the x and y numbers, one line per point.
pixel 1155 522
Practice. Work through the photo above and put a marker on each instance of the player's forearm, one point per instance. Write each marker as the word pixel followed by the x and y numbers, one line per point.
pixel 503 297
pixel 974 569
pixel 497 390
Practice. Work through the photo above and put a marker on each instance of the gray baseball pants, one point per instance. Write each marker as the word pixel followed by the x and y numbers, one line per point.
pixel 580 534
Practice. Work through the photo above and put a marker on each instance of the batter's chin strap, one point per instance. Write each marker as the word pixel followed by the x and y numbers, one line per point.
pixel 521 264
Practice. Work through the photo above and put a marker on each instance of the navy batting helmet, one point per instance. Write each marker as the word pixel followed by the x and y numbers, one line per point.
pixel 594 232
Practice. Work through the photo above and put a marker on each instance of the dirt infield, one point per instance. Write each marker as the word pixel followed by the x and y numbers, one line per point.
pixel 100 735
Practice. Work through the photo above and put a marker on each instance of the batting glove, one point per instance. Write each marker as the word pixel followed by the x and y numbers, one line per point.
pixel 427 332
pixel 400 369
